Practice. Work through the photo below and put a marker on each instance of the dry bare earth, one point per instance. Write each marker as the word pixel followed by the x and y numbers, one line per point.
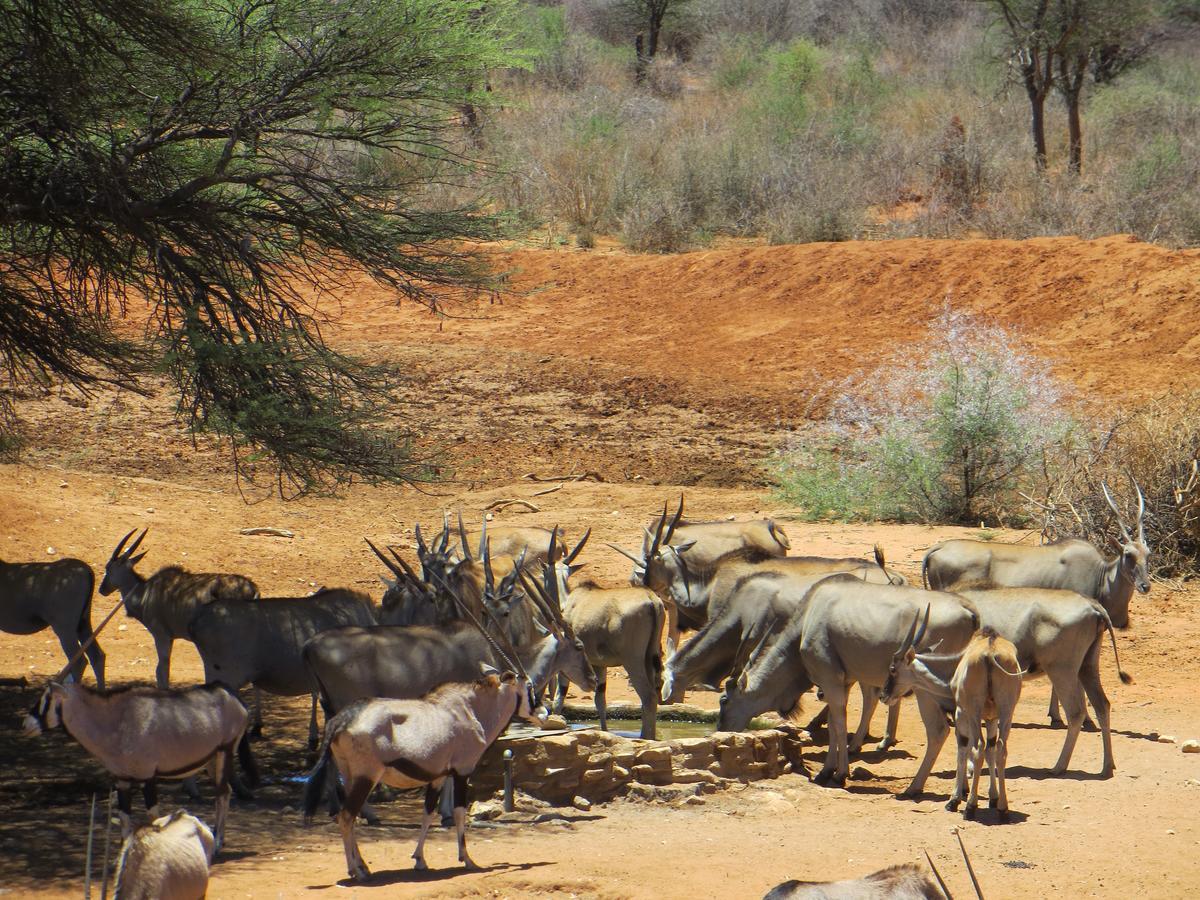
pixel 603 369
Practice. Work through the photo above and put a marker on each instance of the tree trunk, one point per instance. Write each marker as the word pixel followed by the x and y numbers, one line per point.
pixel 1071 85
pixel 639 66
pixel 1037 103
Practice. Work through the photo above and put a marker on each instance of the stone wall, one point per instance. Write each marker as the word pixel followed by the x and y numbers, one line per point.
pixel 597 765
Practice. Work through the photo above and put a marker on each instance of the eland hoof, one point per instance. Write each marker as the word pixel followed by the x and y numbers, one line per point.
pixel 1002 816
pixel 952 804
pixel 360 873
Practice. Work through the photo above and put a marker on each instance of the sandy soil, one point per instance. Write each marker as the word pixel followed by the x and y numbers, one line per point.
pixel 573 378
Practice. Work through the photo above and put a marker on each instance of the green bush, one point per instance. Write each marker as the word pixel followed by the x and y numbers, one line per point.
pixel 948 432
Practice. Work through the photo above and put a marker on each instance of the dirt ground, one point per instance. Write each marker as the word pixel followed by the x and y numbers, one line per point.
pixel 658 374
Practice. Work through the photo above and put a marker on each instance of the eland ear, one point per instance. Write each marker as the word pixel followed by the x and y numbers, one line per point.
pixel 541 629
pixel 487 669
pixel 684 547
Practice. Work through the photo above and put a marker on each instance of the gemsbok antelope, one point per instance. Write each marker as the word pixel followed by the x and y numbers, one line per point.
pixel 409 743
pixel 619 627
pixel 846 631
pixel 904 882
pixel 168 600
pixel 142 734
pixel 166 860
pixel 57 594
pixel 980 684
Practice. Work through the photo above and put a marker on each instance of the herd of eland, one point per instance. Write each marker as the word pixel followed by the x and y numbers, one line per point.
pixel 472 634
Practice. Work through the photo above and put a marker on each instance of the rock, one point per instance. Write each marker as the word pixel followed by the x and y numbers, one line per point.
pixel 1166 738
pixel 582 803
pixel 652 756
pixel 553 723
pixel 1192 746
pixel 694 801
pixel 487 810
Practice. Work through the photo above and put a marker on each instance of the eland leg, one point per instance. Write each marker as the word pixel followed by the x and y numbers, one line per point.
pixel 870 700
pixel 460 819
pixel 432 792
pixel 163 643
pixel 936 731
pixel 1089 677
pixel 975 756
pixel 1070 693
pixel 600 697
pixel 94 654
pixel 69 642
pixel 837 759
pixel 643 685
pixel 360 789
pixel 313 732
pixel 963 740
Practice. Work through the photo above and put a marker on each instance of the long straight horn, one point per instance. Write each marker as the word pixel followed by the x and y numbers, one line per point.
pixel 539 599
pixel 462 537
pixel 578 547
pixel 383 559
pixel 658 533
pixel 970 868
pixel 674 521
pixel 1141 513
pixel 468 616
pixel 1116 512
pixel 422 550
pixel 908 638
pixel 404 565
pixel 627 554
pixel 482 536
pixel 758 648
pixel 91 639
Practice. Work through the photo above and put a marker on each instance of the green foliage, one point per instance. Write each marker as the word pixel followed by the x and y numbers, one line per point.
pixel 218 160
pixel 782 99
pixel 1156 165
pixel 946 433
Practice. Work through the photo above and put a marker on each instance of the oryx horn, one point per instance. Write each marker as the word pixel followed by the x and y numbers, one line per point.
pixel 626 553
pixel 91 639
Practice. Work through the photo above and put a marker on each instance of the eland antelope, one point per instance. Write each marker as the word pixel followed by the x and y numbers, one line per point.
pixel 168 600
pixel 1060 634
pixel 57 594
pixel 846 631
pixel 981 683
pixel 618 627
pixel 694 582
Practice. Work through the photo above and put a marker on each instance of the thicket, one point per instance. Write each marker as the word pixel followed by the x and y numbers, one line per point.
pixel 805 121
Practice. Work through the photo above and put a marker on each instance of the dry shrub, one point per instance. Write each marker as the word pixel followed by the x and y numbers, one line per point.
pixel 1155 446
pixel 656 222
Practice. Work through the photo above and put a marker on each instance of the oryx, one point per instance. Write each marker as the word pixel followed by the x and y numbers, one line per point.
pixel 143 734
pixel 407 743
pixel 57 594
pixel 981 683
pixel 168 600
pixel 165 860
pixel 618 627
pixel 905 882
pixel 846 631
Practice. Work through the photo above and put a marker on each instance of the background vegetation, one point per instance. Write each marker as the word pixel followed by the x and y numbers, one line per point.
pixel 802 120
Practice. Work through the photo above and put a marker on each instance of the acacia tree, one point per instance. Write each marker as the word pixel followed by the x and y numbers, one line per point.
pixel 221 160
pixel 1036 38
pixel 648 17
pixel 1106 38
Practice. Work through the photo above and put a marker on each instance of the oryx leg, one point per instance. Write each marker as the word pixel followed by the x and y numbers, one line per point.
pixel 150 796
pixel 560 694
pixel 256 718
pixel 893 722
pixel 163 643
pixel 837 759
pixel 460 819
pixel 360 789
pixel 936 730
pixel 1089 678
pixel 220 768
pixel 313 732
pixel 432 792
pixel 600 697
pixel 643 684
pixel 1070 693
pixel 870 700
